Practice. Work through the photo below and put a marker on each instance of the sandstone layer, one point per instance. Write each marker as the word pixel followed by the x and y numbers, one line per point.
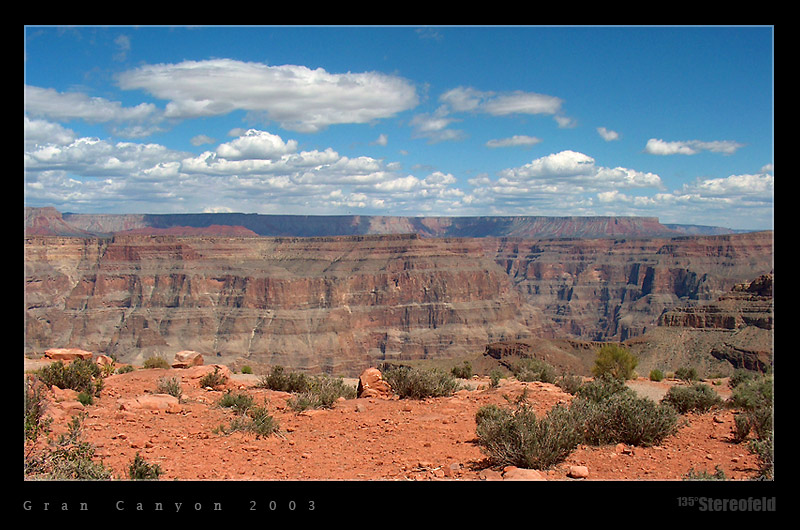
pixel 341 304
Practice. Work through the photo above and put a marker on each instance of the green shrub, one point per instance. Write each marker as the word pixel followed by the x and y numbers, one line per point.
pixel 141 470
pixel 603 388
pixel 126 369
pixel 569 383
pixel 765 450
pixel 719 474
pixel 240 402
pixel 171 386
pixel 415 383
pixel 256 420
pixel 623 417
pixel 530 369
pixel 155 362
pixel 463 371
pixel 322 393
pixel 686 374
pixel 752 393
pixel 656 375
pixel 740 375
pixel 247 370
pixel 85 399
pixel 494 377
pixel 518 438
pixel 279 379
pixel 69 459
pixel 35 405
pixel 698 398
pixel 213 379
pixel 80 375
pixel 615 361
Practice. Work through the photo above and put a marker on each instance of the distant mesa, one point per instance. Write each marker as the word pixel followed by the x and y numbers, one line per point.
pixel 50 222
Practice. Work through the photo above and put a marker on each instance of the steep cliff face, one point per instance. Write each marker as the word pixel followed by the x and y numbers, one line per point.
pixel 320 304
pixel 614 289
pixel 339 304
pixel 733 331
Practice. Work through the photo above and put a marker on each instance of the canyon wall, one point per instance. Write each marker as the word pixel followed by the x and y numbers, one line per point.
pixel 339 304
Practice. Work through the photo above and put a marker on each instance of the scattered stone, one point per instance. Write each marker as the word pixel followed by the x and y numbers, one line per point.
pixel 516 473
pixel 152 402
pixel 104 360
pixel 578 472
pixel 490 474
pixel 371 385
pixel 67 354
pixel 187 359
pixel 64 394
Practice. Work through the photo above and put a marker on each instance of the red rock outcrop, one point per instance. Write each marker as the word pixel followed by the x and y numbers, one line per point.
pixel 341 304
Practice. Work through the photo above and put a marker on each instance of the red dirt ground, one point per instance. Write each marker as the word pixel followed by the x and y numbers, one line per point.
pixel 371 439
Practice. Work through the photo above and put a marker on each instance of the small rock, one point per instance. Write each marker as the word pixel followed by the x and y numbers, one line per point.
pixel 578 472
pixel 516 473
pixel 490 474
pixel 186 359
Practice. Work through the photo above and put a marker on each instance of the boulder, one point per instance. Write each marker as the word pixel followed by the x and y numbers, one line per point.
pixel 164 402
pixel 578 472
pixel 371 384
pixel 104 360
pixel 186 359
pixel 67 354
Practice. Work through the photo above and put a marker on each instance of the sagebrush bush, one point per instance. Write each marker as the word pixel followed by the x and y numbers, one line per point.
pixel 416 383
pixel 530 369
pixel 256 420
pixel 656 375
pixel 155 362
pixel 247 370
pixel 518 438
pixel 81 375
pixel 139 469
pixel 698 397
pixel 494 377
pixel 463 371
pixel 240 402
pixel 126 369
pixel 34 408
pixel 213 379
pixel 623 417
pixel 279 379
pixel 569 383
pixel 68 459
pixel 171 386
pixel 615 361
pixel 752 393
pixel 687 374
pixel 602 388
pixel 322 393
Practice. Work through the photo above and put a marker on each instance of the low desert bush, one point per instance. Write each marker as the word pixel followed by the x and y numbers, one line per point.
pixel 494 377
pixel 213 379
pixel 719 474
pixel 322 393
pixel 615 361
pixel 569 383
pixel 416 383
pixel 518 438
pixel 247 370
pixel 68 459
pixel 656 375
pixel 240 402
pixel 530 369
pixel 141 470
pixel 698 397
pixel 255 419
pixel 155 362
pixel 623 417
pixel 752 393
pixel 35 421
pixel 463 371
pixel 171 386
pixel 126 369
pixel 602 388
pixel 687 373
pixel 81 375
pixel 279 379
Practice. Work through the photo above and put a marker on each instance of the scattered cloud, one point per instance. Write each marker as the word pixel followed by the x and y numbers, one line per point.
pixel 298 98
pixel 691 147
pixel 514 141
pixel 607 134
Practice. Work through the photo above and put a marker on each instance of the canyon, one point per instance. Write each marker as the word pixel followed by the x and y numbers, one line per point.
pixel 340 303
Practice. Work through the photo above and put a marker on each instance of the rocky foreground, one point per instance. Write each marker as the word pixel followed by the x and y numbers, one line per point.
pixel 365 439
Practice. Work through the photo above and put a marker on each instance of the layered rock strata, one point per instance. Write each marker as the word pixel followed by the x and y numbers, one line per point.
pixel 342 304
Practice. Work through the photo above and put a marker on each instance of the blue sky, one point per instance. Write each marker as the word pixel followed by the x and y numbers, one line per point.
pixel 671 122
